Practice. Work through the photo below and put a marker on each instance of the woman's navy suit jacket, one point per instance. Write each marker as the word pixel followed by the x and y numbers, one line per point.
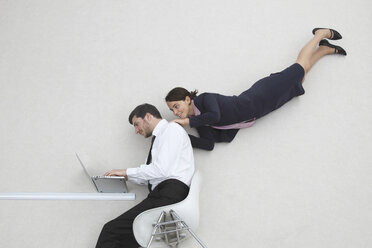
pixel 219 110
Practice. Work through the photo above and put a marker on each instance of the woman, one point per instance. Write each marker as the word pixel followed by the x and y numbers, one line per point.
pixel 218 118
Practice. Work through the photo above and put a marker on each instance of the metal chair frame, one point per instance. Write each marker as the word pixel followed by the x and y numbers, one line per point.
pixel 171 232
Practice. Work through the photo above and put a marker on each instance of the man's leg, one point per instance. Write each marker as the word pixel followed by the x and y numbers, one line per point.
pixel 119 232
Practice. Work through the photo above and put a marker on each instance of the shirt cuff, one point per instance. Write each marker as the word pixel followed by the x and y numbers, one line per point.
pixel 132 174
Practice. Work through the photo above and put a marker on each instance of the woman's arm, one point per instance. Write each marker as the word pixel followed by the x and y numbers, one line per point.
pixel 205 140
pixel 211 113
pixel 209 136
pixel 202 143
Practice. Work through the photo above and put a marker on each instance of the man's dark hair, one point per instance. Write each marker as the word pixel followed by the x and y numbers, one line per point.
pixel 141 110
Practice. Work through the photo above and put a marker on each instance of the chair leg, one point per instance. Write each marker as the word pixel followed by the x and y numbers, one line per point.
pixel 170 231
pixel 154 230
pixel 189 229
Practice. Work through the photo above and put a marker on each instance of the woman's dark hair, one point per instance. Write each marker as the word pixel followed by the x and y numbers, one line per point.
pixel 179 94
pixel 141 110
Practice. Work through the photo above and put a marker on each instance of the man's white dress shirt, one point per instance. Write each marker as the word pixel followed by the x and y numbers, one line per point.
pixel 172 157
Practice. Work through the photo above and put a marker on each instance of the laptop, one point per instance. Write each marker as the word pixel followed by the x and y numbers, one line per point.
pixel 106 184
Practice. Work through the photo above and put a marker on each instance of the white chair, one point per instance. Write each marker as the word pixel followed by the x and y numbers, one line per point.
pixel 188 210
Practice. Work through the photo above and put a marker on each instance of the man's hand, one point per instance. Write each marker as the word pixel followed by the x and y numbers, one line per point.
pixel 183 122
pixel 118 173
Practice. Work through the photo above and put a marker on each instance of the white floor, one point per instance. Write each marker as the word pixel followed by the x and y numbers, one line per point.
pixel 71 72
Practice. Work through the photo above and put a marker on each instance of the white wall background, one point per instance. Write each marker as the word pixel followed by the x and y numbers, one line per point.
pixel 71 71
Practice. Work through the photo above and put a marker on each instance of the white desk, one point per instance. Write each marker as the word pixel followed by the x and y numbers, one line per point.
pixel 67 196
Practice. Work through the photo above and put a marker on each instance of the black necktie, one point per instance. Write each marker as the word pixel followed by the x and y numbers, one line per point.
pixel 149 159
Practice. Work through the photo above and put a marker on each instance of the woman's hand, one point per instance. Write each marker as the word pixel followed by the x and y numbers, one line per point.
pixel 183 122
pixel 118 173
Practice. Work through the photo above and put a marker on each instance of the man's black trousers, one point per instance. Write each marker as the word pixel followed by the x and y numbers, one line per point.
pixel 119 232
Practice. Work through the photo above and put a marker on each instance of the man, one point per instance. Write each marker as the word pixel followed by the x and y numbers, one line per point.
pixel 168 172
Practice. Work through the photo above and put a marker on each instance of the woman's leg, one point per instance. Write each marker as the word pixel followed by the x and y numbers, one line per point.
pixel 319 53
pixel 308 56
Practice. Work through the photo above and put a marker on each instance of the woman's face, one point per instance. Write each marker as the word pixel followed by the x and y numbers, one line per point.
pixel 180 108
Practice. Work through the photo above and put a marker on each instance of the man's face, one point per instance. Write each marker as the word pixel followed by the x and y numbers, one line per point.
pixel 141 126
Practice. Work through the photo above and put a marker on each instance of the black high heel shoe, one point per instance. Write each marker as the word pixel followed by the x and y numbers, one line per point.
pixel 334 34
pixel 338 49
